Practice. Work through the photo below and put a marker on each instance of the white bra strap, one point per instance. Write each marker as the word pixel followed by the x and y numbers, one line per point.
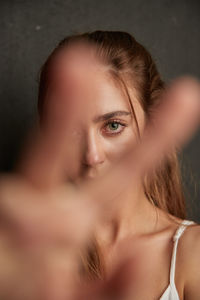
pixel 176 237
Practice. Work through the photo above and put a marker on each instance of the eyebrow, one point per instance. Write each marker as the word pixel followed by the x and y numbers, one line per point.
pixel 110 115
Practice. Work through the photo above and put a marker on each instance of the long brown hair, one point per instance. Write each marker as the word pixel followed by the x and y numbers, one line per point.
pixel 131 65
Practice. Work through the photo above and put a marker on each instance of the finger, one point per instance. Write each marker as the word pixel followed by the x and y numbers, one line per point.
pixel 50 151
pixel 171 125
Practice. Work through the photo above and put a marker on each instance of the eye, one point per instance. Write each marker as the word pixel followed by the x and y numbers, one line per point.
pixel 114 127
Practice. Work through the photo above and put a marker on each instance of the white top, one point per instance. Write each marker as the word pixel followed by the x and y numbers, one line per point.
pixel 171 292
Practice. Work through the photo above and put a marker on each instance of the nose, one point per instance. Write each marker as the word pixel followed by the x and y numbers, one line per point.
pixel 94 153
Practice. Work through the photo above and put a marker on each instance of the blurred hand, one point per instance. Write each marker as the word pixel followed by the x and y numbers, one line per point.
pixel 46 222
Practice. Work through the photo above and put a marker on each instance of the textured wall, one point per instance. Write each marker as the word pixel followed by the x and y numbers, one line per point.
pixel 30 29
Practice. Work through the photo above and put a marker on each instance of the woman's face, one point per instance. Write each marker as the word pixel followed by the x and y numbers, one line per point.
pixel 104 126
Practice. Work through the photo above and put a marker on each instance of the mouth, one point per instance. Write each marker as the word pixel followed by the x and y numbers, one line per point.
pixel 86 174
pixel 89 175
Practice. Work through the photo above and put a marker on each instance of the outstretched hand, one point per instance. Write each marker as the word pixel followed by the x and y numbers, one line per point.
pixel 46 221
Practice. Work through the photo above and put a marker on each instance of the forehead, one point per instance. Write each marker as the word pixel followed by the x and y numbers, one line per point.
pixel 78 76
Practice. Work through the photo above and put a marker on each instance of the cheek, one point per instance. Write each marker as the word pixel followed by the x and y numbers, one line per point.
pixel 118 145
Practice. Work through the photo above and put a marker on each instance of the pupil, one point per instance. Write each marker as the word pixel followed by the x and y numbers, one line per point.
pixel 114 125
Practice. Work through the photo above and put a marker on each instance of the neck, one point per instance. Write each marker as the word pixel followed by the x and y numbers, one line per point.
pixel 134 216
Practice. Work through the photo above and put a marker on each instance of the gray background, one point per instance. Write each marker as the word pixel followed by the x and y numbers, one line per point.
pixel 29 30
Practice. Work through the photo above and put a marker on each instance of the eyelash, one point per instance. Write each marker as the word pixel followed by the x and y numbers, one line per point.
pixel 118 122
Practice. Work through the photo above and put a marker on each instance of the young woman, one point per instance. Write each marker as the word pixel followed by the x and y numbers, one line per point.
pixel 116 82
pixel 97 192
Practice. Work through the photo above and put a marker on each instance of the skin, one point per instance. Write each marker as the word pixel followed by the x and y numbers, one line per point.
pixel 102 139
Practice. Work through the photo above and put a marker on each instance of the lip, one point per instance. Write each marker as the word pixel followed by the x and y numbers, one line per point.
pixel 88 173
pixel 89 176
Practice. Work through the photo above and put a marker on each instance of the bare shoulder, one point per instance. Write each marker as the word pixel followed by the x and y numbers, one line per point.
pixel 190 242
pixel 189 261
